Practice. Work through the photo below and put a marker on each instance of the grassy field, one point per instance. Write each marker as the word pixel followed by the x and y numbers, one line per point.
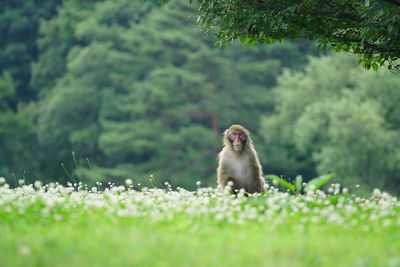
pixel 72 226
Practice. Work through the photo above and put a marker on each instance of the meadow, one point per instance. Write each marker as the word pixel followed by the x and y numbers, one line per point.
pixel 110 225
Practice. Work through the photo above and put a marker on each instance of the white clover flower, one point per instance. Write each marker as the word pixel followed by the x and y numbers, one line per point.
pixel 38 184
pixel 386 223
pixel 121 188
pixel 198 183
pixel 2 180
pixel 376 192
pixel 208 203
pixel 21 181
pixel 24 250
pixel 58 217
pixel 366 228
pixel 128 182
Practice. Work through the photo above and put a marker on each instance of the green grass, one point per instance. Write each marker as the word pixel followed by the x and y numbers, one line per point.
pixel 170 228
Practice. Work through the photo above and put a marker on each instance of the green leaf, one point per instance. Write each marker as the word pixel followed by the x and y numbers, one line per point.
pixel 390 28
pixel 317 182
pixel 282 182
pixel 375 67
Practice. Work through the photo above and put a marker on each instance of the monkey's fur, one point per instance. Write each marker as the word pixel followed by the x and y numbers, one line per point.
pixel 239 165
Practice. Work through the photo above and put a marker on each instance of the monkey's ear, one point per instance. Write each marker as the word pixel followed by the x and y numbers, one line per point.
pixel 226 132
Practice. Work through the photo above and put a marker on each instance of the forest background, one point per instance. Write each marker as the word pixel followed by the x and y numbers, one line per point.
pixel 107 90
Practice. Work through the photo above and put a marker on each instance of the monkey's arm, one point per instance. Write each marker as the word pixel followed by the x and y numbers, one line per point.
pixel 223 176
pixel 257 168
pixel 258 182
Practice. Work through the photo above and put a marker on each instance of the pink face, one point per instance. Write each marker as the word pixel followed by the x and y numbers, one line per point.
pixel 237 139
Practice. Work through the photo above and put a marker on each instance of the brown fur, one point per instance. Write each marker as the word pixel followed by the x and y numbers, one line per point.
pixel 241 167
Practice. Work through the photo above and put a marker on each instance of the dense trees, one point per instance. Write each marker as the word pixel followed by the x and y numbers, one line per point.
pixel 369 28
pixel 132 89
pixel 19 24
pixel 19 151
pixel 338 118
pixel 146 94
pixel 20 155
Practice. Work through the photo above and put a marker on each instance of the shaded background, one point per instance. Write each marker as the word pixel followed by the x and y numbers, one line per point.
pixel 109 90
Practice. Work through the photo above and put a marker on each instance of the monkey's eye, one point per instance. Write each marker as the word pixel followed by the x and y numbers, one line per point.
pixel 242 136
pixel 235 135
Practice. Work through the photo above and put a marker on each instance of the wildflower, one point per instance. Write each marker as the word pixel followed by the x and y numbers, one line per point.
pixel 128 182
pixel 58 217
pixel 21 182
pixel 386 223
pixel 376 192
pixel 2 180
pixel 37 184
pixel 24 250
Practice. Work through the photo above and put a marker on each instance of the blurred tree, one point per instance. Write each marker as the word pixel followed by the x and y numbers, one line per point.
pixel 81 60
pixel 19 23
pixel 17 133
pixel 338 119
pixel 139 91
pixel 20 155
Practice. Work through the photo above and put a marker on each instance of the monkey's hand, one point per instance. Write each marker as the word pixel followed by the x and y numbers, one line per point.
pixel 225 178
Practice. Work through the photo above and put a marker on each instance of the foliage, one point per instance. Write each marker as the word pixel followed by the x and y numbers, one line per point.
pixel 19 24
pixel 340 118
pixel 131 89
pixel 20 155
pixel 145 93
pixel 7 89
pixel 368 28
pixel 41 225
pixel 297 187
pixel 17 132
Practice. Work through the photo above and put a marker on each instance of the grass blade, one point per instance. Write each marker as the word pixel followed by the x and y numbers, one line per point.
pixel 298 183
pixel 282 182
pixel 317 182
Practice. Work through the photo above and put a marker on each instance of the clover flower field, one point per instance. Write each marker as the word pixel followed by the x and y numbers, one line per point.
pixel 54 225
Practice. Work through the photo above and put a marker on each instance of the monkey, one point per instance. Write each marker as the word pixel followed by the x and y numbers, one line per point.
pixel 238 162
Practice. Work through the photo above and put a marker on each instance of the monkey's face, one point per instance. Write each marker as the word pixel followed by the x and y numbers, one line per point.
pixel 238 139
